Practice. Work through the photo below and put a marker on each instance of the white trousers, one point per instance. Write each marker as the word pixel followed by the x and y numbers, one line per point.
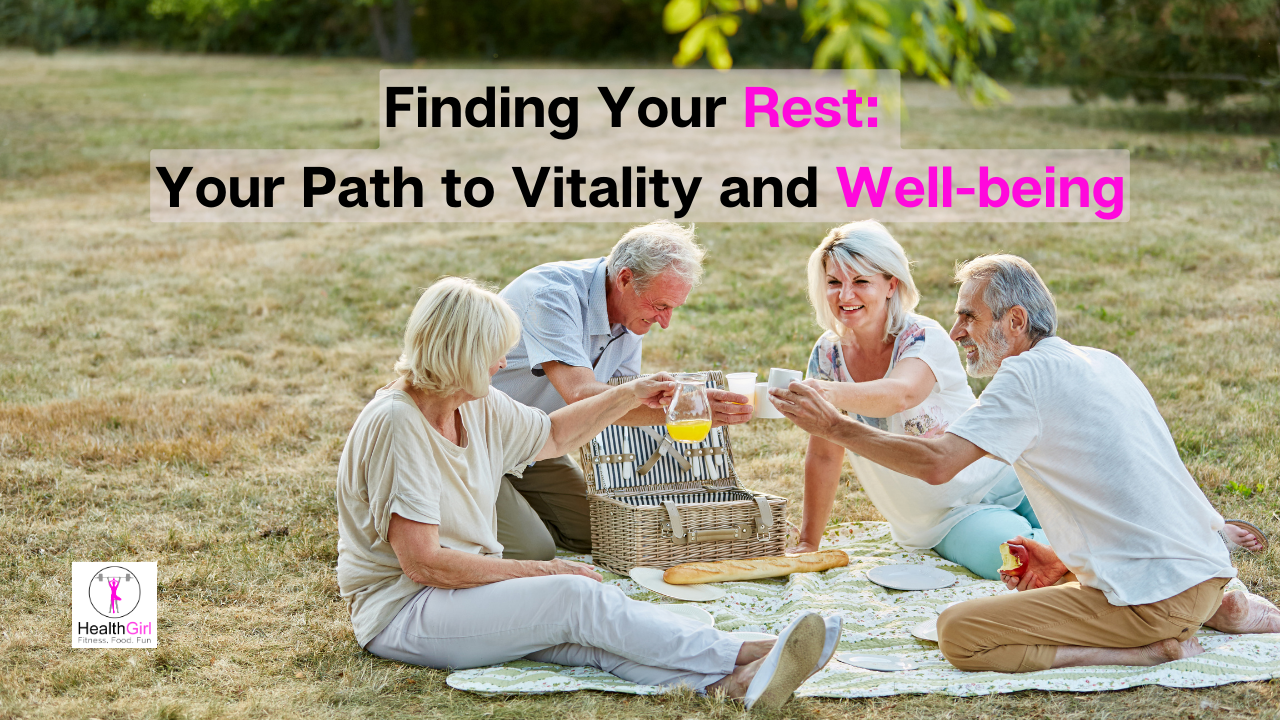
pixel 562 619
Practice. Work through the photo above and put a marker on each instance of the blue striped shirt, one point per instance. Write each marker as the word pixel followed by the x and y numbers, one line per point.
pixel 563 318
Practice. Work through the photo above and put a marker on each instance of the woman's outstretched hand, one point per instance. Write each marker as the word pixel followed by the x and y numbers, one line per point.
pixel 805 404
pixel 1043 567
pixel 655 390
pixel 826 387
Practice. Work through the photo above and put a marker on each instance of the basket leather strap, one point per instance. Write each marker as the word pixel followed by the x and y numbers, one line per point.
pixel 765 523
pixel 664 445
pixel 673 518
pixel 612 459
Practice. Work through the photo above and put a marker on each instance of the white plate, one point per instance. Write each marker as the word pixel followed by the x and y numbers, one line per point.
pixel 691 612
pixel 751 636
pixel 927 630
pixel 911 577
pixel 651 578
pixel 881 663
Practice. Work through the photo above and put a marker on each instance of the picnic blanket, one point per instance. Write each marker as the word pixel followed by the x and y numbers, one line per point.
pixel 878 620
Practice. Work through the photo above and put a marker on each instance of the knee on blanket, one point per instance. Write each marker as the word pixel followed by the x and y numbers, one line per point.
pixel 956 639
pixel 950 624
pixel 968 640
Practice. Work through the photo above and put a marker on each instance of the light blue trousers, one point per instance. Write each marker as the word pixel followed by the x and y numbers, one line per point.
pixel 975 541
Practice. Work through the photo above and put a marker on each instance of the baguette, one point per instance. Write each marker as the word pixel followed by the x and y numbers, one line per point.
pixel 754 568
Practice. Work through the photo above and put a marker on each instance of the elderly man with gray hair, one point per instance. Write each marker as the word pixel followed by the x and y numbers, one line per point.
pixel 1136 566
pixel 583 322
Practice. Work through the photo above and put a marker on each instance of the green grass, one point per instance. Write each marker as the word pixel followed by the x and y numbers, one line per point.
pixel 172 392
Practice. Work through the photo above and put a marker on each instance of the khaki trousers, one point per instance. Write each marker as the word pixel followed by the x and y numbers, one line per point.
pixel 545 508
pixel 1021 632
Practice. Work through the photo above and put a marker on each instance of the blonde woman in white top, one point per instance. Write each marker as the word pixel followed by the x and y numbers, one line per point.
pixel 898 371
pixel 419 563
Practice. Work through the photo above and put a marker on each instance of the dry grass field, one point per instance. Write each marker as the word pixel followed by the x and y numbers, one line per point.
pixel 180 393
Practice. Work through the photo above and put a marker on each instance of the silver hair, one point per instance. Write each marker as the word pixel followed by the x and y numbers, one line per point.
pixel 1011 281
pixel 661 246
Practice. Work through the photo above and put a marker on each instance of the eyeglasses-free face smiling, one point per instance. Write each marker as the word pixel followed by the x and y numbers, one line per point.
pixel 981 337
pixel 859 302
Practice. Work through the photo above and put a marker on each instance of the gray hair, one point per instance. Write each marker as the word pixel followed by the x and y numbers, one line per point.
pixel 649 250
pixel 862 248
pixel 1011 281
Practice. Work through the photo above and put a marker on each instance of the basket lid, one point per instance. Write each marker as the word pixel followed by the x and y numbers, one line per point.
pixel 626 460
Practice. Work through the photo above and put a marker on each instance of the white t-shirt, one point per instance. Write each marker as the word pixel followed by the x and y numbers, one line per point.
pixel 395 462
pixel 1101 471
pixel 920 514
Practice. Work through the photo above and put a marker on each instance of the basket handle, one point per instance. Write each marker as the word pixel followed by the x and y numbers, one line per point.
pixel 674 529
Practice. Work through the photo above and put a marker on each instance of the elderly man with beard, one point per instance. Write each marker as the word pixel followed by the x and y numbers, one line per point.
pixel 1136 566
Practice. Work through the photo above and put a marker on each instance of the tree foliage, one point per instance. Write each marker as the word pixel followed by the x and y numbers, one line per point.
pixel 583 30
pixel 45 25
pixel 939 39
pixel 1145 49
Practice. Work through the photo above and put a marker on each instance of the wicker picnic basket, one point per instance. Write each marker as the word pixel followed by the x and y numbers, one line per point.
pixel 658 503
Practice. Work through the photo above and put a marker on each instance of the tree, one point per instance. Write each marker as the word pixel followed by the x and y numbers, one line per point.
pixel 938 39
pixel 199 12
pixel 402 51
pixel 45 25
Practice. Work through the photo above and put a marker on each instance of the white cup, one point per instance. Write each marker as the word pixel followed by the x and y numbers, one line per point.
pixel 780 378
pixel 764 406
pixel 743 383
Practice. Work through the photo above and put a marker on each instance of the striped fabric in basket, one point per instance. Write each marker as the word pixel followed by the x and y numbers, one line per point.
pixel 686 498
pixel 618 441
pixel 687 506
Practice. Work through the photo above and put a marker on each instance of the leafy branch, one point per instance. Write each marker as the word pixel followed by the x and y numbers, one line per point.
pixel 938 39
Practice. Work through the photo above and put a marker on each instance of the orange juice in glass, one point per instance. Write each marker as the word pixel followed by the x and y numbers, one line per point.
pixel 689 414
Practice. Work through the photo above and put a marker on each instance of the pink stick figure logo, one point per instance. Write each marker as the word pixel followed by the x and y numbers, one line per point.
pixel 114 592
pixel 114 584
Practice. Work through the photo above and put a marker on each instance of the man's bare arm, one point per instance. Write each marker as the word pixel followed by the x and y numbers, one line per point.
pixel 933 460
pixel 577 383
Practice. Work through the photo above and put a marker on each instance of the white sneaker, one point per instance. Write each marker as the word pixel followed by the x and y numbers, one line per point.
pixel 834 626
pixel 788 664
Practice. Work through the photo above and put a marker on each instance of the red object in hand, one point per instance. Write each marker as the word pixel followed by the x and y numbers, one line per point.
pixel 1015 559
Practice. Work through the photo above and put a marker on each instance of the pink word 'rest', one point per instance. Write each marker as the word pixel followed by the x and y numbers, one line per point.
pixel 798 112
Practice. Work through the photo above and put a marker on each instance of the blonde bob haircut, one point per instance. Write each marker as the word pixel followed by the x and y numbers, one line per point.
pixel 862 248
pixel 456 332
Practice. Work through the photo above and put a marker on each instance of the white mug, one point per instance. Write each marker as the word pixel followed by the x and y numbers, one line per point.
pixel 765 409
pixel 780 378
